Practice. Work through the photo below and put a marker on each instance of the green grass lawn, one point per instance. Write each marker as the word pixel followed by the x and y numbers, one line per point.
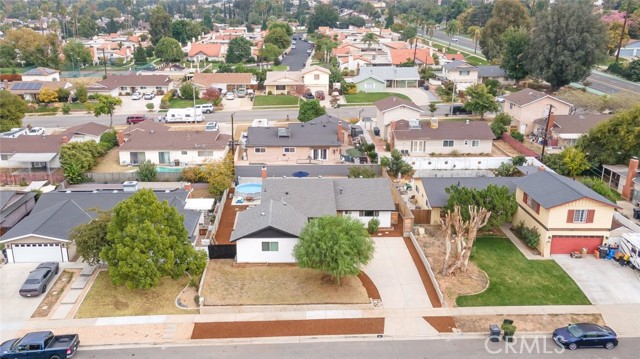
pixel 18 70
pixel 475 61
pixel 514 280
pixel 279 68
pixel 372 97
pixel 275 100
pixel 178 103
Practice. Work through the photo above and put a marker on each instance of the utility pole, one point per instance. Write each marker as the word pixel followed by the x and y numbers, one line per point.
pixel 104 60
pixel 233 143
pixel 624 26
pixel 193 90
pixel 453 96
pixel 547 128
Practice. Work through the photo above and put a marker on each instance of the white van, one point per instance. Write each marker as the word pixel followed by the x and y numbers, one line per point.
pixel 183 115
pixel 206 108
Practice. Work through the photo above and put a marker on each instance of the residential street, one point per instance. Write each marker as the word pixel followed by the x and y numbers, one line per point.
pixel 297 58
pixel 372 348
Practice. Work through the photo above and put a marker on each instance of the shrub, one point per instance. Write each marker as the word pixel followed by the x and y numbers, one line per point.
pixel 147 171
pixel 517 135
pixel 361 172
pixel 150 106
pixel 89 97
pixel 269 93
pixel 66 108
pixel 373 225
pixel 194 175
pixel 518 160
pixel 506 170
pixel 196 298
pixel 530 236
pixel 617 68
pixel 109 139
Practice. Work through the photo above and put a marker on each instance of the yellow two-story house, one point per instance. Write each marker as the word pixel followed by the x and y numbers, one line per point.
pixel 568 215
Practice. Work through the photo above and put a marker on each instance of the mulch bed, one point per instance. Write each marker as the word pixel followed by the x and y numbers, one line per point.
pixel 367 283
pixel 424 275
pixel 223 234
pixel 442 324
pixel 285 328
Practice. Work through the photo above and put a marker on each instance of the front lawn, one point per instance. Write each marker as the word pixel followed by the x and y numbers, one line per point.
pixel 475 61
pixel 372 97
pixel 107 300
pixel 273 285
pixel 279 68
pixel 179 103
pixel 514 280
pixel 275 100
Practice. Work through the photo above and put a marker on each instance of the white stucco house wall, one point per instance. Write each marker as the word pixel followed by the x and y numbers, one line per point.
pixel 393 109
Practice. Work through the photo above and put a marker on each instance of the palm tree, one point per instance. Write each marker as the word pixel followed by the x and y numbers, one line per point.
pixel 474 32
pixel 370 38
pixel 431 27
pixel 452 28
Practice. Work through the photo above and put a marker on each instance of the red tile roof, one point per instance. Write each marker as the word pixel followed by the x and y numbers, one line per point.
pixel 399 56
pixel 210 50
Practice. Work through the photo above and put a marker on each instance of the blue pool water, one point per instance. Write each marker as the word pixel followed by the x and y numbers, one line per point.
pixel 168 169
pixel 249 188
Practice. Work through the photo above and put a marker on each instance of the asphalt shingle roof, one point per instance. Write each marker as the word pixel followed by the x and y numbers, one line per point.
pixel 575 124
pixel 491 71
pixel 550 189
pixel 438 197
pixel 269 214
pixel 371 194
pixel 447 130
pixel 392 102
pixel 321 131
pixel 384 73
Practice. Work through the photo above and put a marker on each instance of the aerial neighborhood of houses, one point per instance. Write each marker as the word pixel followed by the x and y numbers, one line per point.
pixel 230 170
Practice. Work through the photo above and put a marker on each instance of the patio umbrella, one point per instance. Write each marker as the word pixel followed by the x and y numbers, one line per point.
pixel 300 174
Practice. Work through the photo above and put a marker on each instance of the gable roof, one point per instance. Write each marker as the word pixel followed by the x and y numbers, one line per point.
pixel 115 81
pixel 40 71
pixel 208 79
pixel 457 64
pixel 455 57
pixel 391 102
pixel 315 68
pixel 90 128
pixel 321 131
pixel 269 214
pixel 210 50
pixel 435 187
pixel 284 78
pixel 354 194
pixel 11 200
pixel 31 144
pixel 550 189
pixel 401 55
pixel 447 130
pixel 575 124
pixel 175 140
pixel 56 213
pixel 384 73
pixel 527 96
pixel 491 71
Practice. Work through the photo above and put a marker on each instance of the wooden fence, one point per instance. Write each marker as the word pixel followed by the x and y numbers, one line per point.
pixel 519 146
pixel 222 251
pixel 405 212
pixel 421 216
pixel 22 178
pixel 119 177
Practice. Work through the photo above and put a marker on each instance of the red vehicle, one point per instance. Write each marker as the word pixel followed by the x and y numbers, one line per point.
pixel 320 95
pixel 132 120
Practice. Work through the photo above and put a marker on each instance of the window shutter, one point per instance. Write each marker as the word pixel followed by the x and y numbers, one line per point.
pixel 537 208
pixel 570 216
pixel 590 214
pixel 524 197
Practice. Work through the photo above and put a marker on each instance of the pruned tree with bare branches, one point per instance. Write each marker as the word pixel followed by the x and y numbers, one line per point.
pixel 462 234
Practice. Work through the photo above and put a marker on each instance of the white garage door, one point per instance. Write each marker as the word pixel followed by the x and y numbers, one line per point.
pixel 37 252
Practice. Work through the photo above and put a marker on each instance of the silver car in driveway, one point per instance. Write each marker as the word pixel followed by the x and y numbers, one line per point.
pixel 38 279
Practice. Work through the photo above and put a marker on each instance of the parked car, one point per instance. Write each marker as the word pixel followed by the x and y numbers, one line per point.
pixel 40 345
pixel 149 96
pixel 241 93
pixel 35 131
pixel 500 99
pixel 293 46
pixel 136 96
pixel 133 119
pixel 38 279
pixel 454 39
pixel 230 96
pixel 294 41
pixel 320 95
pixel 211 126
pixel 574 336
pixel 308 96
pixel 206 108
pixel 460 110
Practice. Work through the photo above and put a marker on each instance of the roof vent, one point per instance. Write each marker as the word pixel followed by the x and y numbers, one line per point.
pixel 284 132
pixel 130 186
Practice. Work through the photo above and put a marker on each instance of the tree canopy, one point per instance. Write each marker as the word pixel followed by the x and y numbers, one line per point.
pixel 160 23
pixel 309 110
pixel 91 237
pixel 278 37
pixel 12 110
pixel 514 61
pixel 148 240
pixel 239 50
pixel 395 165
pixel 323 15
pixel 614 141
pixel 169 49
pixel 480 100
pixel 78 158
pixel 499 200
pixel 506 14
pixel 76 54
pixel 336 245
pixel 106 106
pixel 566 43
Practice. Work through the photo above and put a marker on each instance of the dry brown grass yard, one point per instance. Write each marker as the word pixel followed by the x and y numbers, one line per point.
pixel 524 323
pixel 226 284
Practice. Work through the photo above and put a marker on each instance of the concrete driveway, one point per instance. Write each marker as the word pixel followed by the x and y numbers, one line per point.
pixel 602 281
pixel 396 277
pixel 130 106
pixel 418 95
pixel 16 310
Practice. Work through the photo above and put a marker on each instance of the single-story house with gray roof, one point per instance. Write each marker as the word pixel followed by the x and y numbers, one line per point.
pixel 43 235
pixel 420 138
pixel 380 78
pixel 493 72
pixel 268 232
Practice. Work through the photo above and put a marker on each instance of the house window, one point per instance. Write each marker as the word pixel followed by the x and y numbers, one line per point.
pixel 143 87
pixel 319 154
pixel 531 203
pixel 281 87
pixel 418 146
pixel 124 88
pixel 164 157
pixel 260 150
pixel 184 153
pixel 289 150
pixel 464 73
pixel 580 216
pixel 475 143
pixel 39 164
pixel 5 157
pixel 205 153
pixel 158 87
pixel 269 246
pixel 447 143
pixel 369 213
pixel 316 77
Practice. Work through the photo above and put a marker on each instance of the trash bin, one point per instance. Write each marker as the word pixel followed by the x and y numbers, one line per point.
pixel 507 321
pixel 636 213
pixel 494 333
pixel 376 131
pixel 604 251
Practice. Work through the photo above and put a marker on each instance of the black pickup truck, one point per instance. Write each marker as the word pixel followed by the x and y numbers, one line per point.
pixel 40 345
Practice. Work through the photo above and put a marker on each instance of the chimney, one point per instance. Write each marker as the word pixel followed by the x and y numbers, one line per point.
pixel 120 136
pixel 631 175
pixel 263 172
pixel 187 187
pixel 541 169
pixel 433 122
pixel 552 121
pixel 340 133
pixel 65 140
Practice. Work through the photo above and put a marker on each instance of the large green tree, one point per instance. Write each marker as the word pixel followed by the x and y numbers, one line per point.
pixel 567 41
pixel 239 50
pixel 76 54
pixel 514 61
pixel 309 110
pixel 160 22
pixel 614 141
pixel 269 52
pixel 148 240
pixel 87 27
pixel 106 106
pixel 323 15
pixel 78 158
pixel 169 49
pixel 336 245
pixel 506 14
pixel 499 200
pixel 12 110
pixel 479 100
pixel 139 55
pixel 501 124
pixel 396 165
pixel 91 237
pixel 278 37
pixel 281 25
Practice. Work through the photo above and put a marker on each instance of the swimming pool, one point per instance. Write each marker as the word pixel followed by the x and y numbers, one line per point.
pixel 248 189
pixel 168 169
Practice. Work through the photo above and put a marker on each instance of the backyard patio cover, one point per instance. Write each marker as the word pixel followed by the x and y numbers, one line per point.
pixel 32 157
